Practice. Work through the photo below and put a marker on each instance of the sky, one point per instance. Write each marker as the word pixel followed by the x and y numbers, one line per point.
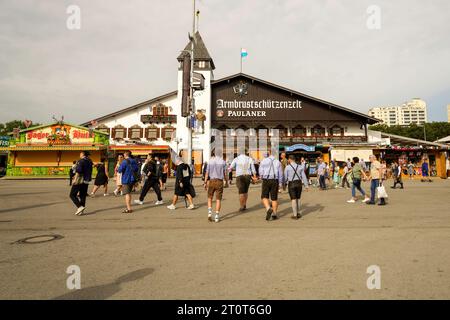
pixel 125 52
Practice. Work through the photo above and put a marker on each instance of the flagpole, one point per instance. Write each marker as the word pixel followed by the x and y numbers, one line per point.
pixel 240 54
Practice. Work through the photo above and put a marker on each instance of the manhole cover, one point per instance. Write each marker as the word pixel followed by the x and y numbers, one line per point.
pixel 39 239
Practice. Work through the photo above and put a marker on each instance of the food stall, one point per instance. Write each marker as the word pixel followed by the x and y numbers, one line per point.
pixel 49 150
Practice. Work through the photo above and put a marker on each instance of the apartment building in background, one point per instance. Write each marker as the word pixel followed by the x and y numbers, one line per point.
pixel 414 111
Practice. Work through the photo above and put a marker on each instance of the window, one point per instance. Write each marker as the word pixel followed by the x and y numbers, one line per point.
pixel 336 131
pixel 282 131
pixel 152 133
pixel 201 64
pixel 298 131
pixel 118 132
pixel 318 130
pixel 167 133
pixel 103 128
pixel 135 132
pixel 160 110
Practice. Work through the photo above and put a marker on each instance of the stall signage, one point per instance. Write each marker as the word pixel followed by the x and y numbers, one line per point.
pixel 300 147
pixel 59 135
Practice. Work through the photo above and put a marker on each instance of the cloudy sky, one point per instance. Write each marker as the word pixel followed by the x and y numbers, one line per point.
pixel 125 52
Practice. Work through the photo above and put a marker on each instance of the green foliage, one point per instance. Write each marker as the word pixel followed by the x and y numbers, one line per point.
pixel 434 130
pixel 8 127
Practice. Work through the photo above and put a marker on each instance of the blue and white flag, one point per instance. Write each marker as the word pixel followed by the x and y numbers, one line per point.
pixel 244 53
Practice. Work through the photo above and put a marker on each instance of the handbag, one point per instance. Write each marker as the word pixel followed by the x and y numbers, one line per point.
pixel 381 191
pixel 77 179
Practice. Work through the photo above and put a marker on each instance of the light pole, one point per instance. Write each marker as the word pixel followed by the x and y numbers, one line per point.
pixel 191 93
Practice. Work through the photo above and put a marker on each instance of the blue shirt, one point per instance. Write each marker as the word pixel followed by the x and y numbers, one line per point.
pixel 295 171
pixel 215 168
pixel 243 165
pixel 127 167
pixel 425 169
pixel 270 168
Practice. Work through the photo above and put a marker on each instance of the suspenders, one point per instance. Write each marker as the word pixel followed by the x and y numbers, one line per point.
pixel 271 167
pixel 295 173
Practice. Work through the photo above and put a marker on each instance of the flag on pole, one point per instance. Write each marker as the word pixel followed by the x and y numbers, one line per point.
pixel 244 53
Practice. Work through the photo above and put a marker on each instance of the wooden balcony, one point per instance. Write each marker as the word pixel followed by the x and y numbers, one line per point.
pixel 159 118
pixel 322 139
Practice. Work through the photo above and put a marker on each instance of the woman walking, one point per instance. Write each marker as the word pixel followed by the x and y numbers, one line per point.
pixel 356 173
pixel 118 176
pixel 183 185
pixel 101 179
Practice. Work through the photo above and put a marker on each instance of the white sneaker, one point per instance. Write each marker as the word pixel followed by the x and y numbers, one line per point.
pixel 92 195
pixel 351 201
pixel 157 203
pixel 216 218
pixel 116 193
pixel 365 200
pixel 106 194
pixel 191 207
pixel 171 207
pixel 139 202
pixel 80 211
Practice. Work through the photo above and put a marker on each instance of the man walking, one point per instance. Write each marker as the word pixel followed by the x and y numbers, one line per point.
pixel 245 172
pixel 83 175
pixel 321 173
pixel 152 179
pixel 272 177
pixel 284 162
pixel 216 173
pixel 294 175
pixel 397 175
pixel 130 176
pixel 375 176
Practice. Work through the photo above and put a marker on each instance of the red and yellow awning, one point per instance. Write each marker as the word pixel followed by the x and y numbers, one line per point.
pixel 54 148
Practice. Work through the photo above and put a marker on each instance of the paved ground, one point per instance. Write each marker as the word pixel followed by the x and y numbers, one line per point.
pixel 157 254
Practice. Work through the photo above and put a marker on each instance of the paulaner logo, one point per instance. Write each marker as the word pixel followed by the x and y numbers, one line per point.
pixel 263 104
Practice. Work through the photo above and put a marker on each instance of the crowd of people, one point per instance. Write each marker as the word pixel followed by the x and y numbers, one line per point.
pixel 276 175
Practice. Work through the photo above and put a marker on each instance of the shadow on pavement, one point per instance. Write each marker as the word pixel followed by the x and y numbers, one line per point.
pixel 304 210
pixel 31 206
pixel 105 291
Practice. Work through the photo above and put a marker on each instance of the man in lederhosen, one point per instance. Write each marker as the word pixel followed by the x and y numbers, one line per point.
pixel 272 177
pixel 294 175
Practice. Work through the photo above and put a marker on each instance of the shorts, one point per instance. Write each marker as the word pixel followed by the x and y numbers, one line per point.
pixel 164 178
pixel 127 188
pixel 295 189
pixel 215 186
pixel 243 183
pixel 269 188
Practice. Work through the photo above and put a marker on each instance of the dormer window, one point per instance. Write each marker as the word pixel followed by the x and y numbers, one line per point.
pixel 160 110
pixel 202 64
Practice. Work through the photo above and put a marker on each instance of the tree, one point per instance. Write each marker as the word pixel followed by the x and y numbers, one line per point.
pixel 8 127
pixel 433 131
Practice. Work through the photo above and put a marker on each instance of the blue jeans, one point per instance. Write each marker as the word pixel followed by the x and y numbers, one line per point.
pixel 322 182
pixel 373 189
pixel 357 185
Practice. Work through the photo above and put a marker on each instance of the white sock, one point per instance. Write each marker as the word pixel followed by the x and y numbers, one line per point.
pixel 294 207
